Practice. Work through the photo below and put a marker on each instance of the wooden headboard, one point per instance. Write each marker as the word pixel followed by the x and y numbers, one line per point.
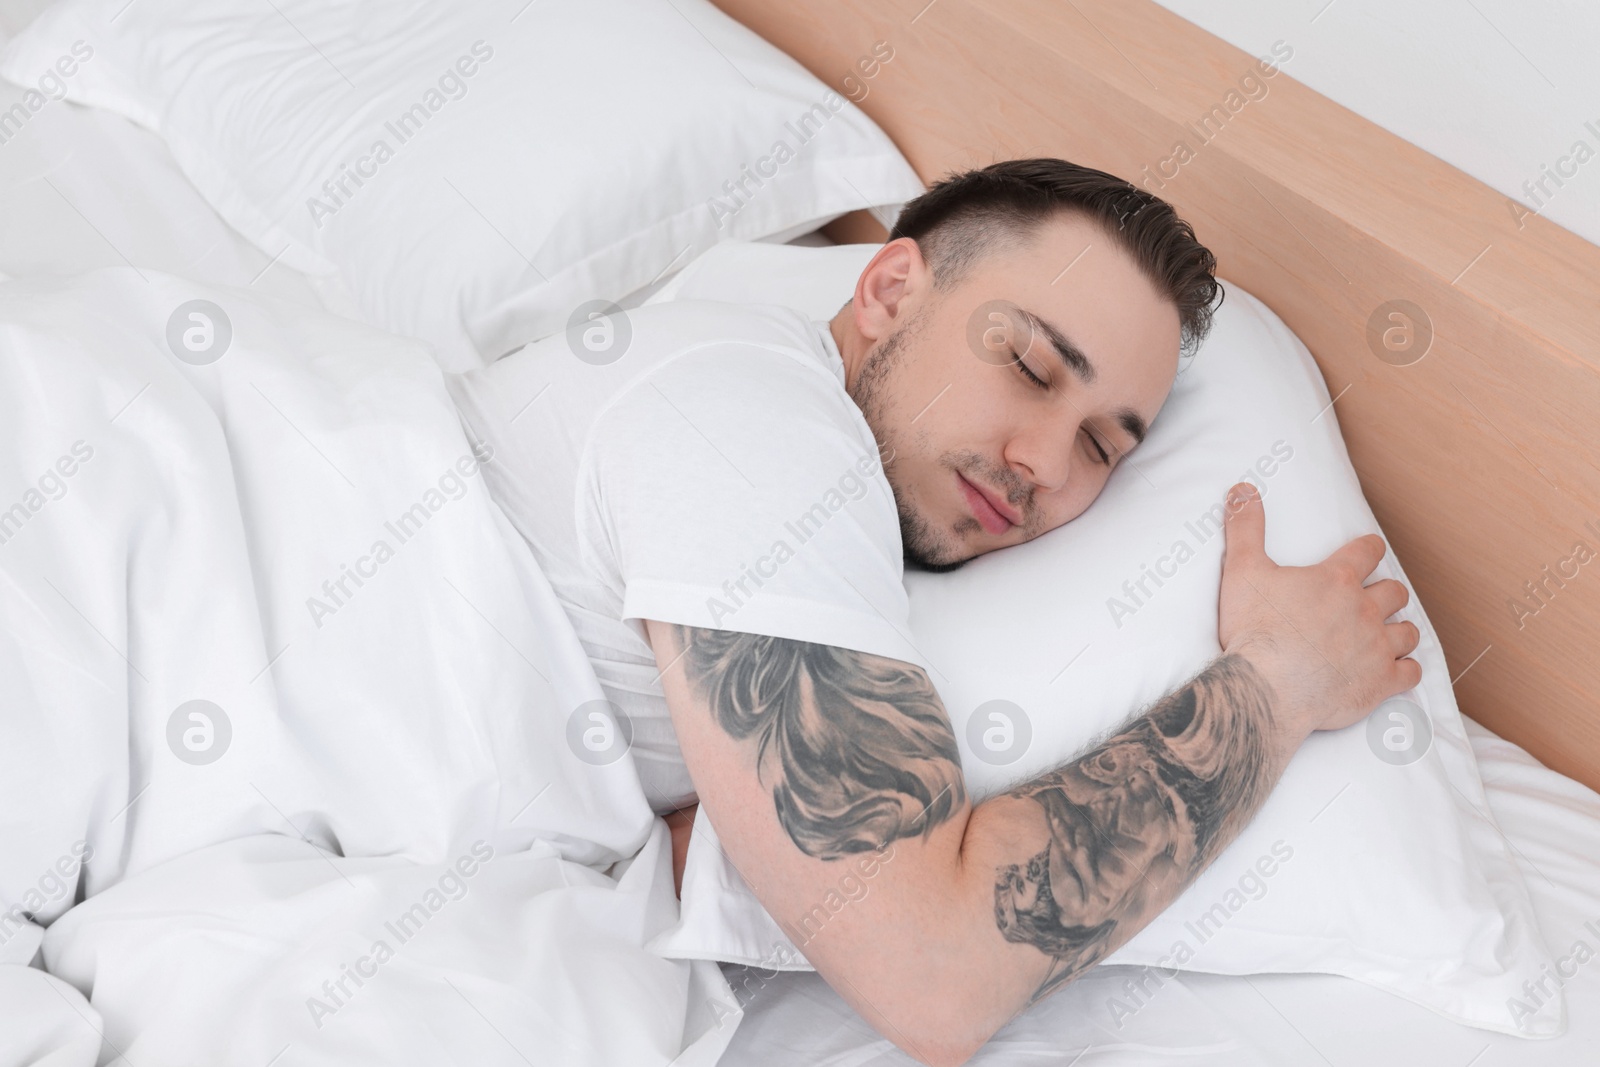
pixel 1479 458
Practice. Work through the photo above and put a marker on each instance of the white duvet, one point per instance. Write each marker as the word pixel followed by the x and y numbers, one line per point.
pixel 285 698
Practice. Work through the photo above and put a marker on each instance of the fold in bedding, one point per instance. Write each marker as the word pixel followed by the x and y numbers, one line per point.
pixel 286 709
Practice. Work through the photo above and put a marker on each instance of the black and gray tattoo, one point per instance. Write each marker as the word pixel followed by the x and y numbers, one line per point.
pixel 856 748
pixel 858 752
pixel 1135 820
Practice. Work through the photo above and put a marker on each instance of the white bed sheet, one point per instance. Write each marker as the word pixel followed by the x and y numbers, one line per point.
pixel 1553 825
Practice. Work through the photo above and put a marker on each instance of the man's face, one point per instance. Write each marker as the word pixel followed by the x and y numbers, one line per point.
pixel 978 455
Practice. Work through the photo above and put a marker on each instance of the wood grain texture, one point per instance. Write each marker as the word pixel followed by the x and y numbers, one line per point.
pixel 1479 460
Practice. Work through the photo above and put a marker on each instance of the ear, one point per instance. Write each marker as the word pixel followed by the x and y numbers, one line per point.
pixel 888 286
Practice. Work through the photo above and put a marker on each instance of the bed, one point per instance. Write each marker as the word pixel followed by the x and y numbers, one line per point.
pixel 1466 455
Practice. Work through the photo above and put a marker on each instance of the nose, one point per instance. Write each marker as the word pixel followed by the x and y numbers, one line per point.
pixel 1043 456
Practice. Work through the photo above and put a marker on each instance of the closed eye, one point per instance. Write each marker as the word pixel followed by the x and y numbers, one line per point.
pixel 1032 377
pixel 1101 456
pixel 1104 459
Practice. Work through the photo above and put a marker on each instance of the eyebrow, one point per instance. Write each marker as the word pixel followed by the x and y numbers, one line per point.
pixel 1131 421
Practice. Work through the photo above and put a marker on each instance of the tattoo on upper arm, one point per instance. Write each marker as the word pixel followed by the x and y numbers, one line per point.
pixel 856 748
pixel 1136 819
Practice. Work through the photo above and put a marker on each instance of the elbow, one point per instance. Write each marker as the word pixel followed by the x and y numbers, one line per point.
pixel 937 1035
pixel 953 1057
pixel 938 1050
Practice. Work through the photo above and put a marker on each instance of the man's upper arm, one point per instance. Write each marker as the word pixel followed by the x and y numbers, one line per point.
pixel 723 492
pixel 854 751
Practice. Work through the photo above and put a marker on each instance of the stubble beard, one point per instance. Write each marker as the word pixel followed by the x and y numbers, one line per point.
pixel 924 547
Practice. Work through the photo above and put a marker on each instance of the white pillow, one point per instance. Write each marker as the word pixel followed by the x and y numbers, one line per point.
pixel 555 152
pixel 1383 865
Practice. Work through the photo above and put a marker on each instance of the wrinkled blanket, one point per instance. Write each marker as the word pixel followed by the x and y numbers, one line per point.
pixel 297 759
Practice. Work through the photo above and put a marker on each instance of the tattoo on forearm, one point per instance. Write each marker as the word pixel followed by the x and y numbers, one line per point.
pixel 1135 820
pixel 858 752
pixel 856 748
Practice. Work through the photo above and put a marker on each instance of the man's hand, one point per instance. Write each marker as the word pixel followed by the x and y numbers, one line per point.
pixel 1317 634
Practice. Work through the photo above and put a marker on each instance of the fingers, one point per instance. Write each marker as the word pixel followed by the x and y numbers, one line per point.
pixel 1409 674
pixel 1389 595
pixel 1245 526
pixel 1402 638
pixel 1360 556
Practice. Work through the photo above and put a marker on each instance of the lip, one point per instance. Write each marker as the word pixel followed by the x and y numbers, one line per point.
pixel 994 514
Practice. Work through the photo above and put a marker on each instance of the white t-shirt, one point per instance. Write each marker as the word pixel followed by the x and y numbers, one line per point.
pixel 716 474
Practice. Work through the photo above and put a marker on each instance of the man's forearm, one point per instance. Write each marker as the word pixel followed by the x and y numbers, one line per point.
pixel 1081 859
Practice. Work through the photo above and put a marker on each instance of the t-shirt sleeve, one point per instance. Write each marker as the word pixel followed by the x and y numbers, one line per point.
pixel 737 488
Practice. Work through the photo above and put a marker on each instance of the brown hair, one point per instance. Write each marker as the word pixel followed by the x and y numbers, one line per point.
pixel 962 218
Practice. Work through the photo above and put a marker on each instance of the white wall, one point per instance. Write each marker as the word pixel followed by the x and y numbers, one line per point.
pixel 1498 88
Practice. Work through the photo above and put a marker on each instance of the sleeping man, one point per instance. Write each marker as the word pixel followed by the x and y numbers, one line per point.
pixel 725 504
